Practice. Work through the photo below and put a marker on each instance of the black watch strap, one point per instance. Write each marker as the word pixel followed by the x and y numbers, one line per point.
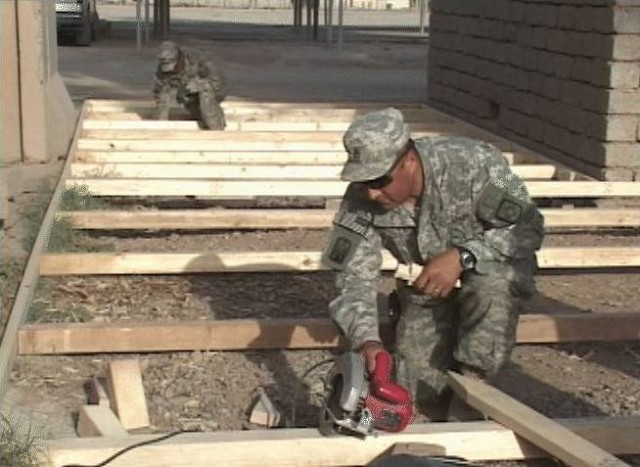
pixel 467 259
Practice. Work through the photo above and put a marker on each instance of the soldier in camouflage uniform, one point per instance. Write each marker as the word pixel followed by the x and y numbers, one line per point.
pixel 453 205
pixel 193 81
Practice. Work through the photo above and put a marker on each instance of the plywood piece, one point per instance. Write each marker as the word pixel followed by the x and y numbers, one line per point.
pixel 55 264
pixel 127 393
pixel 476 441
pixel 239 334
pixel 213 219
pixel 531 425
pixel 99 420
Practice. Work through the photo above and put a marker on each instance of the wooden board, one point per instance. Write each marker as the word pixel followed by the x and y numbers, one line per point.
pixel 193 219
pixel 245 171
pixel 545 433
pixel 55 264
pixel 80 338
pixel 29 282
pixel 317 188
pixel 476 441
pixel 126 392
pixel 99 420
pixel 152 128
pixel 105 105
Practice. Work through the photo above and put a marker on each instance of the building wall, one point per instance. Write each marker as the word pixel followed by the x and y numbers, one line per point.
pixel 38 116
pixel 561 76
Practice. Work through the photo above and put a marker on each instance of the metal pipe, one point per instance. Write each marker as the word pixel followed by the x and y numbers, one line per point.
pixel 340 23
pixel 139 24
pixel 422 11
pixel 146 22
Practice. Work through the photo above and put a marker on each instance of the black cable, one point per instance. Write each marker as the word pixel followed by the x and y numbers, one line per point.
pixel 129 448
pixel 295 394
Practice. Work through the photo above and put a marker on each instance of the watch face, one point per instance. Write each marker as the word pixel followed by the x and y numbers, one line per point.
pixel 467 259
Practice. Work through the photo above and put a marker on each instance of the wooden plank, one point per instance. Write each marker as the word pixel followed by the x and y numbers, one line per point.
pixel 208 145
pixel 99 420
pixel 124 382
pixel 545 433
pixel 134 105
pixel 29 281
pixel 55 264
pixel 328 157
pixel 242 171
pixel 213 219
pixel 240 114
pixel 150 128
pixel 476 441
pixel 224 156
pixel 318 188
pixel 80 338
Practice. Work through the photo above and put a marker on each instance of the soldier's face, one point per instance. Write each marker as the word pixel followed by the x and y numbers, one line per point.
pixel 168 65
pixel 392 189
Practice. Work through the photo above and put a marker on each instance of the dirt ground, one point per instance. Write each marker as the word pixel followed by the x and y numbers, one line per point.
pixel 214 390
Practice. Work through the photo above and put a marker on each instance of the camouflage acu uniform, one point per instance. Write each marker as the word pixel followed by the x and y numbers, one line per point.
pixel 471 199
pixel 194 82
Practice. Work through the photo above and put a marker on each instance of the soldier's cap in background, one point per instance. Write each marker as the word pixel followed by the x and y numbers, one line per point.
pixel 373 143
pixel 168 52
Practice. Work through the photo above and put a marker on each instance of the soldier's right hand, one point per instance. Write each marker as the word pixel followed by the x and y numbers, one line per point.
pixel 369 350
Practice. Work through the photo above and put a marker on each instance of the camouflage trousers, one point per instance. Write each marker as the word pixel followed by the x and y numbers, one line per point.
pixel 205 108
pixel 474 327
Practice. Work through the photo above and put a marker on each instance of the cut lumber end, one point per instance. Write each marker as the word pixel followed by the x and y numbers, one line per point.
pixel 264 413
pixel 127 393
pixel 418 449
pixel 99 420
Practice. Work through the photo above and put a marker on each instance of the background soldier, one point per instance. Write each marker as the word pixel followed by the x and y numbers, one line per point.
pixel 193 81
pixel 453 205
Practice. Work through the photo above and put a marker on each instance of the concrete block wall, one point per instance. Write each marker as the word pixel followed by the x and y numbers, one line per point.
pixel 560 76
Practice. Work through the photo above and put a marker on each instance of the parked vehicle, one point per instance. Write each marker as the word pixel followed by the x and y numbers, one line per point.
pixel 79 17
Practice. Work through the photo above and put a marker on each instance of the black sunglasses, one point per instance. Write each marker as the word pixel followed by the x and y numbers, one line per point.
pixel 378 183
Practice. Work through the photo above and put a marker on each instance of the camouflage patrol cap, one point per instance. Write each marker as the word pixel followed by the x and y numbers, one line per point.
pixel 373 143
pixel 168 52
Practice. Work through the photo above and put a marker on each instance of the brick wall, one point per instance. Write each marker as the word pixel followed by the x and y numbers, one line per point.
pixel 560 76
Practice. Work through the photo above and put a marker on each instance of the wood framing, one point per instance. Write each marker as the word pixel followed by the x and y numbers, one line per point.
pixel 29 281
pixel 476 441
pixel 80 338
pixel 214 219
pixel 316 188
pixel 545 433
pixel 56 264
pixel 253 171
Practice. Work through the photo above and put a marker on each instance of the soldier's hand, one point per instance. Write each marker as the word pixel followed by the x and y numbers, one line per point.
pixel 370 349
pixel 439 276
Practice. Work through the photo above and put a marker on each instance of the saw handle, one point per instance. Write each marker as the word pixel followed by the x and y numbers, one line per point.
pixel 381 384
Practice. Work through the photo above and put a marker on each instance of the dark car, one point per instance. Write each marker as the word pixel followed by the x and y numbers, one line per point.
pixel 78 17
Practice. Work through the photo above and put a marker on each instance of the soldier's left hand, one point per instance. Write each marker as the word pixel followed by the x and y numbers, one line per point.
pixel 439 275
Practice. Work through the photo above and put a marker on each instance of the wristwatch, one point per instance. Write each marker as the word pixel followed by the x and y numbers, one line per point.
pixel 467 260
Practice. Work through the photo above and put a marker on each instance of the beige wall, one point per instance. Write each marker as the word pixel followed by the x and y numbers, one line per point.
pixel 9 89
pixel 561 76
pixel 37 113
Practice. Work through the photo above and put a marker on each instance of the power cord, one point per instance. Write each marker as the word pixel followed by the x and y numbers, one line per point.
pixel 292 422
pixel 133 446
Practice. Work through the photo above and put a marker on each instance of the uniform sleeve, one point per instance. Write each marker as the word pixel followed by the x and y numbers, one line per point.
pixel 514 227
pixel 354 253
pixel 216 79
pixel 162 97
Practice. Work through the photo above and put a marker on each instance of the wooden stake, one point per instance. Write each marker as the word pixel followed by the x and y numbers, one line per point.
pixel 531 425
pixel 99 420
pixel 127 393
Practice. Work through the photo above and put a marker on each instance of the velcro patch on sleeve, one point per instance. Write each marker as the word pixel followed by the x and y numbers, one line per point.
pixel 497 204
pixel 348 232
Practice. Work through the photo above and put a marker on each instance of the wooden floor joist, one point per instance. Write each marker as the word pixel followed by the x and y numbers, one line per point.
pixel 107 129
pixel 253 171
pixel 56 264
pixel 316 188
pixel 222 219
pixel 545 433
pixel 475 441
pixel 123 337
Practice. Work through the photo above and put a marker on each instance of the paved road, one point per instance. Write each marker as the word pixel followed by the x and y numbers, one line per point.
pixel 262 56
